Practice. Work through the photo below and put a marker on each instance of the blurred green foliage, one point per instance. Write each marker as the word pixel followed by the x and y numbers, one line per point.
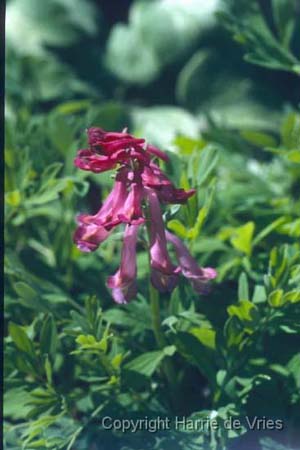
pixel 232 131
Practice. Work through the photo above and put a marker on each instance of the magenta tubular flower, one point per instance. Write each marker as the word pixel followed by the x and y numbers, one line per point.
pixel 108 142
pixel 88 237
pixel 109 149
pixel 94 229
pixel 89 160
pixel 123 283
pixel 198 276
pixel 132 209
pixel 157 152
pixel 153 177
pixel 164 275
pixel 121 206
pixel 139 183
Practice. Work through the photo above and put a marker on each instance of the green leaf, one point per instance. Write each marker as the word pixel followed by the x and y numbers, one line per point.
pixel 13 198
pixel 61 133
pixel 250 28
pixel 259 295
pixel 290 131
pixel 147 363
pixel 72 107
pixel 196 353
pixel 169 350
pixel 188 145
pixel 234 331
pixel 178 227
pixel 243 289
pixel 24 364
pixel 207 162
pixel 293 156
pixel 117 361
pixel 242 238
pixel 89 342
pixel 48 370
pixel 25 291
pixel 271 227
pixel 29 296
pixel 221 375
pixel 48 336
pixel 278 368
pixel 243 310
pixel 206 336
pixel 188 88
pixel 48 193
pixel 80 321
pixel 292 296
pixel 92 309
pixel 194 232
pixel 284 12
pixel 294 368
pixel 21 339
pixel 86 340
pixel 275 298
pixel 258 138
pixel 51 172
pixel 16 403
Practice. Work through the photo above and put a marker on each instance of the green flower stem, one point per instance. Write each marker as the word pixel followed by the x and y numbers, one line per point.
pixel 155 310
pixel 167 365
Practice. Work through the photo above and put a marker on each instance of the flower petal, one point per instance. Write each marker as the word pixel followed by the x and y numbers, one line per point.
pixel 89 237
pixel 153 177
pixel 123 283
pixel 132 208
pixel 164 275
pixel 94 229
pixel 157 152
pixel 198 276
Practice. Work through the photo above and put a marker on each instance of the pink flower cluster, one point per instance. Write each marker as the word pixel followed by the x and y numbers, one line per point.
pixel 140 186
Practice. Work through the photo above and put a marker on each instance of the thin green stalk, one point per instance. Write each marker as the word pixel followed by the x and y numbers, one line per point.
pixel 167 365
pixel 156 322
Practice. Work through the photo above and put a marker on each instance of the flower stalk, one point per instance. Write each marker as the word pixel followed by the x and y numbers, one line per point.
pixel 156 319
pixel 167 364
